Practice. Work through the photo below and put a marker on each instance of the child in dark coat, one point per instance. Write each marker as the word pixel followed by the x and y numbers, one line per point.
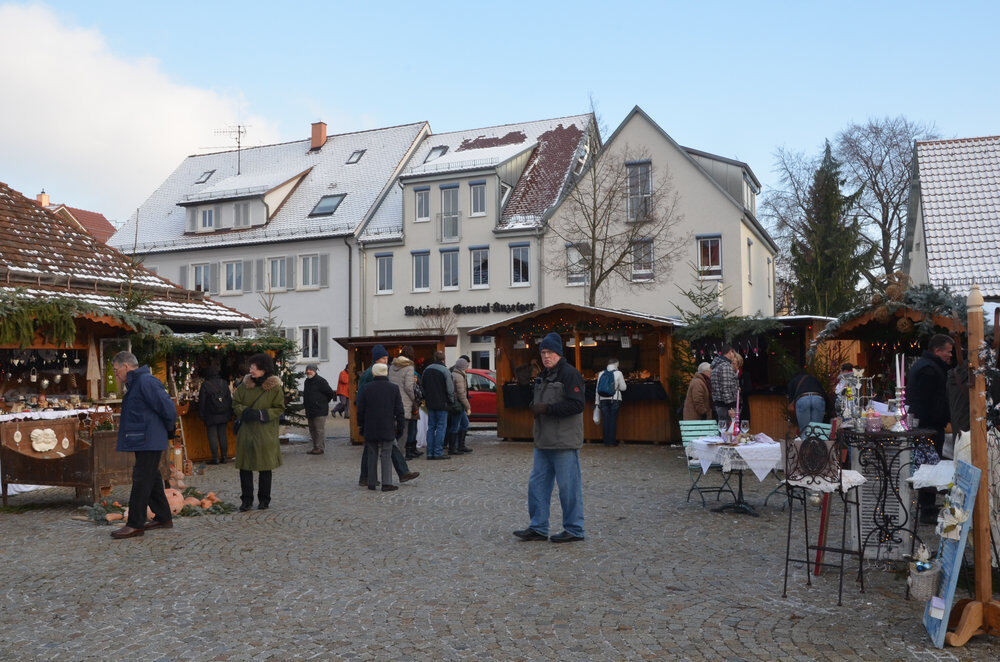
pixel 381 419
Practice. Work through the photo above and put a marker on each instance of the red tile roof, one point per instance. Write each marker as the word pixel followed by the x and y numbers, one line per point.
pixel 93 222
pixel 544 175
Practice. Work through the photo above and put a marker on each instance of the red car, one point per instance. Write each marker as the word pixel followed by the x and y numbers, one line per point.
pixel 482 394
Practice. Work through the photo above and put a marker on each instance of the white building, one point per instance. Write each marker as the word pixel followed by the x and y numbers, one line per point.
pixel 275 226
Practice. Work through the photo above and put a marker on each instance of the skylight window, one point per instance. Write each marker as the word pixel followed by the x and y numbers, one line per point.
pixel 356 156
pixel 436 153
pixel 327 205
pixel 204 176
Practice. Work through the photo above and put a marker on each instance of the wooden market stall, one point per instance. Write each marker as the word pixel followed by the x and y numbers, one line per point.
pixel 642 343
pixel 359 358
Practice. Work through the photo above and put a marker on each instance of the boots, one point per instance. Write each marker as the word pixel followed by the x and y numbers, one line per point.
pixel 451 441
pixel 462 448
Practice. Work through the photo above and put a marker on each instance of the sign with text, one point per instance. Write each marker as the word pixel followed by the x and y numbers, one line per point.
pixel 460 309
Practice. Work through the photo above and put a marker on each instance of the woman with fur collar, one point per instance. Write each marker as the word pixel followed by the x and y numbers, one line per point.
pixel 258 404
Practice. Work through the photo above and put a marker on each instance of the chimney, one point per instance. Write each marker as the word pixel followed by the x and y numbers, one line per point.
pixel 318 135
pixel 43 199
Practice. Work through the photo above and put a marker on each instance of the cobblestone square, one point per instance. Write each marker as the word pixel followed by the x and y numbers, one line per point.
pixel 432 572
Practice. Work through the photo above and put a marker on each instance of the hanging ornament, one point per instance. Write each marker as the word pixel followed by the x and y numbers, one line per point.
pixel 905 325
pixel 882 314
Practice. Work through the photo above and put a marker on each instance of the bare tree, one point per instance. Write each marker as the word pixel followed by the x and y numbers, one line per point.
pixel 617 223
pixel 876 157
pixel 441 319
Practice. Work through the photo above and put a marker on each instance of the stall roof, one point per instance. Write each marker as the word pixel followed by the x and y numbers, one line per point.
pixel 622 314
pixel 400 339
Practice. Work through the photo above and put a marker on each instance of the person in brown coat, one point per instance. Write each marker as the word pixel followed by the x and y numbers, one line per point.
pixel 698 403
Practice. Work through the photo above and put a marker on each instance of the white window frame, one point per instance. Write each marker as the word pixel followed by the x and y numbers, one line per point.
pixel 457 270
pixel 207 222
pixel 472 269
pixel 271 285
pixel 380 262
pixel 642 275
pixel 314 259
pixel 576 277
pixel 236 266
pixel 309 344
pixel 527 261
pixel 243 207
pixel 426 195
pixel 645 195
pixel 472 199
pixel 702 267
pixel 426 256
pixel 206 276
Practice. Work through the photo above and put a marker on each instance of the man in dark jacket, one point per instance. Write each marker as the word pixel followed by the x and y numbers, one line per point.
pixel 381 420
pixel 805 398
pixel 316 397
pixel 148 420
pixel 557 404
pixel 439 393
pixel 927 400
pixel 380 356
pixel 215 409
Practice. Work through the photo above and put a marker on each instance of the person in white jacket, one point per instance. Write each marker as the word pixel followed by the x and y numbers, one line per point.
pixel 610 385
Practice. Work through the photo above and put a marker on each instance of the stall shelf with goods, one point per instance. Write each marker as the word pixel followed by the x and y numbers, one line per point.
pixel 641 342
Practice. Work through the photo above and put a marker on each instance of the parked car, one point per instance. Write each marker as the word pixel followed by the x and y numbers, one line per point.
pixel 482 394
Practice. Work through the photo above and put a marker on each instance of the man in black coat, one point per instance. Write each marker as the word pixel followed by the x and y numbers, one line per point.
pixel 316 396
pixel 927 400
pixel 381 420
pixel 215 409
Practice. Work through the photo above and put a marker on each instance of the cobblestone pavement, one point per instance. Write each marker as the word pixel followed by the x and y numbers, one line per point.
pixel 432 572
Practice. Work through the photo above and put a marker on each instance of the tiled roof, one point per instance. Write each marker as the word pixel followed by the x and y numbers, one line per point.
pixel 960 201
pixel 162 222
pixel 554 144
pixel 93 222
pixel 49 255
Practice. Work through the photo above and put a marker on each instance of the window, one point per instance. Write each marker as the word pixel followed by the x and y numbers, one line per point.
pixel 204 177
pixel 422 272
pixel 234 277
pixel 423 205
pixel 310 342
pixel 770 266
pixel 639 190
pixel 480 361
pixel 241 215
pixel 479 340
pixel 477 193
pixel 749 262
pixel 577 267
pixel 449 214
pixel 310 271
pixel 436 153
pixel 710 257
pixel 749 196
pixel 233 333
pixel 207 219
pixel 356 156
pixel 449 270
pixel 519 271
pixel 480 267
pixel 327 205
pixel 383 264
pixel 276 274
pixel 201 277
pixel 642 259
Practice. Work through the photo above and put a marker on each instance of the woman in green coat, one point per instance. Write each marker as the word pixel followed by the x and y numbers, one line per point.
pixel 258 404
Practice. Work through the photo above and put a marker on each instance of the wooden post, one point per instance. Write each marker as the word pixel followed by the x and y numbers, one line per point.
pixel 982 614
pixel 576 349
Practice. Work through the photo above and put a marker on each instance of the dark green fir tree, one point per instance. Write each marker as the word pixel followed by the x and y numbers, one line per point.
pixel 828 253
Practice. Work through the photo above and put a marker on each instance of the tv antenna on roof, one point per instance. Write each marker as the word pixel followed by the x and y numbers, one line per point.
pixel 235 132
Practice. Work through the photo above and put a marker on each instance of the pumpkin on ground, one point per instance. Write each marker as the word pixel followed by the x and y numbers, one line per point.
pixel 192 501
pixel 175 500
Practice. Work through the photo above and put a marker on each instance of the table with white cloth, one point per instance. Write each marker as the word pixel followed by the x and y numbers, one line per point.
pixel 761 456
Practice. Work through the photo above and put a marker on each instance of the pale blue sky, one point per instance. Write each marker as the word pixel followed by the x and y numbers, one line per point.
pixel 734 78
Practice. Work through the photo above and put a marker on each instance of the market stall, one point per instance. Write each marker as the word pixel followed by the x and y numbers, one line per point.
pixel 642 343
pixel 359 358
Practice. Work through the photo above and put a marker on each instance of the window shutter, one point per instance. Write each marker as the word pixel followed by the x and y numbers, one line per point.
pixel 182 279
pixel 248 275
pixel 259 274
pixel 324 343
pixel 213 278
pixel 192 219
pixel 324 270
pixel 290 271
pixel 217 217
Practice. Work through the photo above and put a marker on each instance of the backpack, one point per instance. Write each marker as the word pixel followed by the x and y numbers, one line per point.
pixel 218 400
pixel 606 384
pixel 418 393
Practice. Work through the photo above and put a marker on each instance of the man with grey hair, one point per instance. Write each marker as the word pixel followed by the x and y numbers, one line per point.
pixel 698 402
pixel 148 420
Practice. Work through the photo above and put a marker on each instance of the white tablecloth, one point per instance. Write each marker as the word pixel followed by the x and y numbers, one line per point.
pixel 760 456
pixel 48 415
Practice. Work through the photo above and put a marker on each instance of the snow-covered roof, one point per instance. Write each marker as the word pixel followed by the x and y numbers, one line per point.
pixel 554 146
pixel 631 315
pixel 44 254
pixel 960 202
pixel 162 219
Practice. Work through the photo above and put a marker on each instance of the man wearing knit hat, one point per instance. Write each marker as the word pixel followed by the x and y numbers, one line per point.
pixel 557 405
pixel 380 356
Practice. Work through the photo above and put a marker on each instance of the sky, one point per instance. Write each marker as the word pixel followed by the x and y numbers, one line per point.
pixel 102 100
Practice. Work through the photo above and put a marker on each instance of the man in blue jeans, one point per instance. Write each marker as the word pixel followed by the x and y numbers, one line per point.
pixel 439 392
pixel 805 395
pixel 557 405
